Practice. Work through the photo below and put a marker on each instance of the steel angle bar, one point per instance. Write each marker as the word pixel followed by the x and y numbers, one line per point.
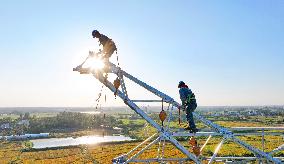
pixel 239 158
pixel 216 151
pixel 256 128
pixel 255 150
pixel 198 134
pixel 115 69
pixel 160 160
pixel 163 149
pixel 146 140
pixel 180 147
pixel 280 148
pixel 159 146
pixel 142 150
pixel 146 100
pixel 259 134
pixel 262 140
pixel 214 126
pixel 127 101
pixel 123 87
pixel 203 146
pixel 170 111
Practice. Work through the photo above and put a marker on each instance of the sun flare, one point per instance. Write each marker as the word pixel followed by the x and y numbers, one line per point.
pixel 94 63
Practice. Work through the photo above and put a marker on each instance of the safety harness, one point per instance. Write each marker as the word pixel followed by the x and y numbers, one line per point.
pixel 190 97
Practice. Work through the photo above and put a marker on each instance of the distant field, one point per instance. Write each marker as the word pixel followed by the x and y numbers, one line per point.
pixel 12 116
pixel 53 114
pixel 134 126
pixel 15 116
pixel 10 152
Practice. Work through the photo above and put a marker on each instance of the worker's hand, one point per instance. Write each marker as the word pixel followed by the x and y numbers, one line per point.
pixel 91 54
pixel 181 107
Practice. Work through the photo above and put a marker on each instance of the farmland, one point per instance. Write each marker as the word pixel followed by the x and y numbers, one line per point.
pixel 12 152
pixel 134 126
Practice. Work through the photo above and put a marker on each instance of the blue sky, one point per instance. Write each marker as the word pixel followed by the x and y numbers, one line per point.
pixel 229 52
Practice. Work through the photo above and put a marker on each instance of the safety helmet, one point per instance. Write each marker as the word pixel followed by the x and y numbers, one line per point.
pixel 180 84
pixel 95 32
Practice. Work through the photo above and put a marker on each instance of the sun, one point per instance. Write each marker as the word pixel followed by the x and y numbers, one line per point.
pixel 94 63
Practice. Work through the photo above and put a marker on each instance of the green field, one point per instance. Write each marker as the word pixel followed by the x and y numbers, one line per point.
pixel 18 151
pixel 132 125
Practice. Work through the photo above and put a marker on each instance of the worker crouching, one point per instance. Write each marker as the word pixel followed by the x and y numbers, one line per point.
pixel 108 45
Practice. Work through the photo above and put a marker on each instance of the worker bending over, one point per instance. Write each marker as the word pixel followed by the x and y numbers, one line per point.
pixel 108 45
pixel 188 104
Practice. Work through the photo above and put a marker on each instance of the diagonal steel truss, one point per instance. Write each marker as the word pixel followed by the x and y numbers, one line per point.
pixel 165 133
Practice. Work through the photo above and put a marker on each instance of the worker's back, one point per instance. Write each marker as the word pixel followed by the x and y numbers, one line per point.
pixel 103 39
pixel 184 92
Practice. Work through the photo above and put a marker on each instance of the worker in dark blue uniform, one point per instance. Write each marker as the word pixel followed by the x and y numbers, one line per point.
pixel 108 45
pixel 188 104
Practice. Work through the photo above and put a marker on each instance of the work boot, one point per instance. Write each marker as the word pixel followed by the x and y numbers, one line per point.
pixel 193 130
pixel 187 128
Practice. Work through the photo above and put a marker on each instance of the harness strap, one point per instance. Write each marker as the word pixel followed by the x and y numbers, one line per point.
pixel 190 97
pixel 179 121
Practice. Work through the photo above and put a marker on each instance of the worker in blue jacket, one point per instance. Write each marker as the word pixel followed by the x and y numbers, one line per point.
pixel 188 104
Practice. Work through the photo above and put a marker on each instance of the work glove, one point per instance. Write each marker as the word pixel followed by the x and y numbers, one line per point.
pixel 182 107
pixel 91 54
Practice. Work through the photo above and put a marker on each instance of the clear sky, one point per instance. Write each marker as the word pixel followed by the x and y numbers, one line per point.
pixel 229 52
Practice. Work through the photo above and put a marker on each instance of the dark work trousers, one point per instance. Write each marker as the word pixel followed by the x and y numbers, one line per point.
pixel 189 116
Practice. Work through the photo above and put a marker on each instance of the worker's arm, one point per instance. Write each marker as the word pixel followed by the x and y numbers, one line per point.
pixel 183 92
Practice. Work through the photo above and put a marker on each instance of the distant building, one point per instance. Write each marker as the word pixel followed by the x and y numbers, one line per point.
pixel 217 114
pixel 24 122
pixel 233 113
pixel 252 112
pixel 117 129
pixel 26 136
pixel 5 126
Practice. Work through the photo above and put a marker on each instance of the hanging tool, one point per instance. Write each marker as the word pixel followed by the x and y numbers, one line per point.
pixel 116 84
pixel 163 114
pixel 192 141
pixel 195 147
pixel 101 91
pixel 196 150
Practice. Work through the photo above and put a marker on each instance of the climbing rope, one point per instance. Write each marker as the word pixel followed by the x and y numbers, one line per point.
pixel 194 145
pixel 99 97
pixel 99 105
pixel 170 114
pixel 117 59
pixel 101 91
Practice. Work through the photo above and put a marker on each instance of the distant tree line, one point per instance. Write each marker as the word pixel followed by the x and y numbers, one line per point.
pixel 64 121
pixel 71 121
